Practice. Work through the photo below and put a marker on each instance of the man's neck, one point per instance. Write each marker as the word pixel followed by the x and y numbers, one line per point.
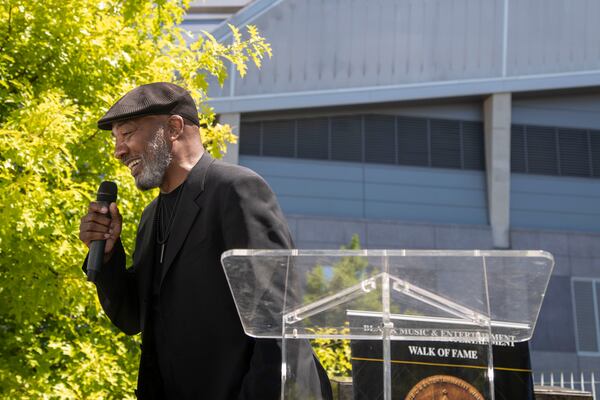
pixel 178 172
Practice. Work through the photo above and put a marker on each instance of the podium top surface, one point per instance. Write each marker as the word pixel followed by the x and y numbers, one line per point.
pixel 449 295
pixel 385 253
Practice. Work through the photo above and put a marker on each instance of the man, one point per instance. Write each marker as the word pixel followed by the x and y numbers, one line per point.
pixel 176 294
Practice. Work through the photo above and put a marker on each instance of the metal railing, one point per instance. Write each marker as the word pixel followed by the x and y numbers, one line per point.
pixel 569 380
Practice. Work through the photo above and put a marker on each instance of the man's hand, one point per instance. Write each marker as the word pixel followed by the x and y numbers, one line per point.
pixel 101 223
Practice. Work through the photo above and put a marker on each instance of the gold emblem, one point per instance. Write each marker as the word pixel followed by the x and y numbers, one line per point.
pixel 443 387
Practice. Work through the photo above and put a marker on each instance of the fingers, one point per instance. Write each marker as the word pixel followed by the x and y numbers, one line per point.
pixel 115 227
pixel 93 228
pixel 101 223
pixel 90 230
pixel 115 222
pixel 98 207
pixel 94 217
pixel 114 212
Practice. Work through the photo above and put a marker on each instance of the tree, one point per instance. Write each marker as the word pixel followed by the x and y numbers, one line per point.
pixel 335 354
pixel 62 64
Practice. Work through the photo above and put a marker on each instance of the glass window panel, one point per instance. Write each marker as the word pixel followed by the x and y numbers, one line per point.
pixel 585 316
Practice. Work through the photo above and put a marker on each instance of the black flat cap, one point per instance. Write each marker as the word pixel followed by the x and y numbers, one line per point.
pixel 152 99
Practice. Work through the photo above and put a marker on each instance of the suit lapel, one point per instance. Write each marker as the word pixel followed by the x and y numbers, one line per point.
pixel 147 242
pixel 144 255
pixel 187 211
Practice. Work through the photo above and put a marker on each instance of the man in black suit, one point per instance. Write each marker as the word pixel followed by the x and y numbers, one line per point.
pixel 176 294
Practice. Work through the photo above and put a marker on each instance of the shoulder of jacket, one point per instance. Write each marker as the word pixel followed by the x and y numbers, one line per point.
pixel 225 173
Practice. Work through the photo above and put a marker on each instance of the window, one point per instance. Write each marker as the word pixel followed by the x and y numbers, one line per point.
pixel 586 297
pixel 251 144
pixel 370 138
pixel 380 139
pixel 278 138
pixel 315 138
pixel 555 151
pixel 427 142
pixel 413 141
pixel 346 139
pixel 445 143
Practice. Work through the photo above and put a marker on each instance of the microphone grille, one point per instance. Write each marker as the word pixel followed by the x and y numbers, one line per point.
pixel 107 192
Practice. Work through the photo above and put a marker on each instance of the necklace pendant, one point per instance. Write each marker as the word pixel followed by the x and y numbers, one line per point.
pixel 162 252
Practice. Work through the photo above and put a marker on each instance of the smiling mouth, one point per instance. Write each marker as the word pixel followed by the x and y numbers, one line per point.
pixel 134 166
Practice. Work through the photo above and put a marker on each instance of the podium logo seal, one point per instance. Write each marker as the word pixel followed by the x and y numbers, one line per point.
pixel 443 387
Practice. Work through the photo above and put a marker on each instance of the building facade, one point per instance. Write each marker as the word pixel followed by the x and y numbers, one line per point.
pixel 437 124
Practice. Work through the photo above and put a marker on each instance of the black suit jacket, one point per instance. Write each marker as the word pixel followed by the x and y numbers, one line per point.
pixel 203 349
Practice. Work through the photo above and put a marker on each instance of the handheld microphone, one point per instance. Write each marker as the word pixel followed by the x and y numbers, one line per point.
pixel 107 193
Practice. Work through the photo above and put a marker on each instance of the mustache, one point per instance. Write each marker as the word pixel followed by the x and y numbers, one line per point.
pixel 127 160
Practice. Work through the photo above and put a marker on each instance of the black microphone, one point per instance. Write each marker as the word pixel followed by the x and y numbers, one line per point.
pixel 107 193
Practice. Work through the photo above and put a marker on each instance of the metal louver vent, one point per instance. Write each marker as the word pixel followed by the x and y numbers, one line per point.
pixel 278 138
pixel 518 153
pixel 542 157
pixel 346 139
pixel 555 151
pixel 413 141
pixel 423 142
pixel 574 154
pixel 595 152
pixel 472 145
pixel 380 139
pixel 250 142
pixel 372 138
pixel 313 138
pixel 445 144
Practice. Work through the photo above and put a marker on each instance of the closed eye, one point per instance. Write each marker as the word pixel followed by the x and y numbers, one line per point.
pixel 128 134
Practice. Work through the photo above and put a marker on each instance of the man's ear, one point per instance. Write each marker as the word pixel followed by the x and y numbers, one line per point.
pixel 176 125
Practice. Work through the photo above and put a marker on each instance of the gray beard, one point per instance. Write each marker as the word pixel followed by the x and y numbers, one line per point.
pixel 155 161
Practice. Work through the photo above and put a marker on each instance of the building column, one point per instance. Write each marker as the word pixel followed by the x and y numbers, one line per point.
pixel 233 149
pixel 497 122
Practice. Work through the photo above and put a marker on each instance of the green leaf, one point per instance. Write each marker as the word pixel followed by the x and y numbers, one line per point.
pixel 62 65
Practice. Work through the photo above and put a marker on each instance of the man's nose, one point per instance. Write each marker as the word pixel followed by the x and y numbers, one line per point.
pixel 120 149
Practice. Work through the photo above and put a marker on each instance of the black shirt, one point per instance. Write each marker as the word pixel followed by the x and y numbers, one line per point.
pixel 167 206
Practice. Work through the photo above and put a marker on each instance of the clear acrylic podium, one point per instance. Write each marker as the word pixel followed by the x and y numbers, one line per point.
pixel 436 296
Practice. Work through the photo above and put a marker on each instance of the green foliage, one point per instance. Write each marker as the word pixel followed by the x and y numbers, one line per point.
pixel 62 64
pixel 335 354
pixel 347 272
